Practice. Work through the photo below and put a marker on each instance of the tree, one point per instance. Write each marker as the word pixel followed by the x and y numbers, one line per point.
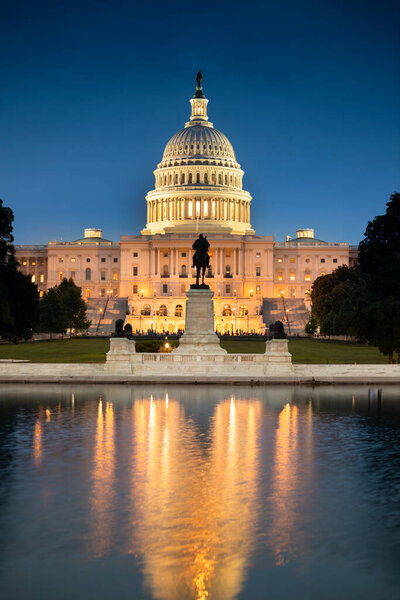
pixel 379 251
pixel 52 317
pixel 18 295
pixel 73 306
pixel 328 325
pixel 311 325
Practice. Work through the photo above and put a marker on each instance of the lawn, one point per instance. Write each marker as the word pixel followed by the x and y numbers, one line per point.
pixel 94 350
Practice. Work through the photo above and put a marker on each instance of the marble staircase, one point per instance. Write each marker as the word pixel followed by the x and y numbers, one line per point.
pixel 292 312
pixel 103 313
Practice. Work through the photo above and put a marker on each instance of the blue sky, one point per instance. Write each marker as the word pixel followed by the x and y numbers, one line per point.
pixel 91 91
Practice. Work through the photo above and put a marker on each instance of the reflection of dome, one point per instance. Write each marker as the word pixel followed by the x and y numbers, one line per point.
pixel 198 183
pixel 199 141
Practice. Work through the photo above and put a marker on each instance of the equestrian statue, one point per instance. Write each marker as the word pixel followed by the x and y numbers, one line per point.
pixel 201 260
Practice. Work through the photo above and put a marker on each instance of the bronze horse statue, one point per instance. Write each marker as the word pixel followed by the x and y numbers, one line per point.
pixel 201 258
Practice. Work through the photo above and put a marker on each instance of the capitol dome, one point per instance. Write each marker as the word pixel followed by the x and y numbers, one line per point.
pixel 198 183
pixel 199 141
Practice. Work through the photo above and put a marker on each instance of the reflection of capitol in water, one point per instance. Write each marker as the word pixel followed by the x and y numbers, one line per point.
pixel 196 498
pixel 188 491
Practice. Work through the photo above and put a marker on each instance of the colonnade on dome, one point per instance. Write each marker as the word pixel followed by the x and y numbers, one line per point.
pixel 182 209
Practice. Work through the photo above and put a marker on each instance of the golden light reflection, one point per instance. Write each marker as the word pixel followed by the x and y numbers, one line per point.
pixel 194 497
pixel 103 481
pixel 48 415
pixel 37 442
pixel 290 475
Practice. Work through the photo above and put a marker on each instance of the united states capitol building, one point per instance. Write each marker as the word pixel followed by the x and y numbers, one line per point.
pixel 144 278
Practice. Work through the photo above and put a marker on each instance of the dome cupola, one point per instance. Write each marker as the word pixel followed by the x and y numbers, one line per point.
pixel 198 183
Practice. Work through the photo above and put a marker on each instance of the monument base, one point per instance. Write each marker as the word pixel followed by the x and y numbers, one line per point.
pixel 120 354
pixel 199 336
pixel 278 351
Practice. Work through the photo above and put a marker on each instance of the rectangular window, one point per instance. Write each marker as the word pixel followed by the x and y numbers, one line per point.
pixel 115 259
pixel 165 255
pixel 60 260
pixel 115 276
pixel 280 277
pixel 322 260
pixel 258 254
pixel 135 288
pixel 307 277
pixel 135 271
pixel 41 278
pixel 292 276
pixel 279 260
pixel 73 274
pixel 183 254
pixel 227 289
pixel 33 278
pixel 103 276
pixel 258 271
pixel 60 276
pixel 73 260
pixel 135 254
pixel 292 260
pixel 165 288
pixel 258 289
pixel 103 260
pixel 292 293
pixel 335 260
pixel 103 292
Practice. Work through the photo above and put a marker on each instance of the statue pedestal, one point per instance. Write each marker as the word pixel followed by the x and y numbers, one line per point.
pixel 120 353
pixel 199 336
pixel 278 351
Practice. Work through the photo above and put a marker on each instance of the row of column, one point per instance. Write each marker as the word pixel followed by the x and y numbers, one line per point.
pixel 219 261
pixel 176 209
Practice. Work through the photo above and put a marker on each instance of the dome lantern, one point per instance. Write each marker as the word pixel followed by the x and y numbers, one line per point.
pixel 199 104
pixel 198 183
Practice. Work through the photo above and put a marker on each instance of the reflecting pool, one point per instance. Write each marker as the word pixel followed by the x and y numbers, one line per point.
pixel 199 492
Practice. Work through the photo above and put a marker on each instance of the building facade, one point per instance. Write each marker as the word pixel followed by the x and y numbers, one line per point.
pixel 198 188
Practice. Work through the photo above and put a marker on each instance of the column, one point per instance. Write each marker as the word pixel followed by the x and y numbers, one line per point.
pixel 176 261
pixel 150 260
pixel 234 262
pixel 155 260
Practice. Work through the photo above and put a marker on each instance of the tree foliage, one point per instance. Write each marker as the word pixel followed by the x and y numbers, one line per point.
pixel 364 301
pixel 52 317
pixel 18 295
pixel 311 325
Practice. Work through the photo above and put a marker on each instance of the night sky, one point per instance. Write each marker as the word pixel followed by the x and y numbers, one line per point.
pixel 91 91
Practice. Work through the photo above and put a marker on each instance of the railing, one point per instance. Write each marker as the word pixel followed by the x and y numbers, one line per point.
pixel 228 275
pixel 164 275
pixel 183 274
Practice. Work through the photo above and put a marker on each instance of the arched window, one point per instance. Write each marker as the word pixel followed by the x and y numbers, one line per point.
pixel 146 310
pixel 213 178
pixel 163 311
pixel 220 179
pixel 198 178
pixel 165 270
pixel 88 274
pixel 206 178
pixel 176 178
pixel 170 178
pixel 190 178
pixel 226 179
pixel 243 311
pixel 230 180
pixel 183 270
pixel 182 178
pixel 197 208
pixel 178 310
pixel 227 311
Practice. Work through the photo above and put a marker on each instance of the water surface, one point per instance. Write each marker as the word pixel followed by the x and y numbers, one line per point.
pixel 199 493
